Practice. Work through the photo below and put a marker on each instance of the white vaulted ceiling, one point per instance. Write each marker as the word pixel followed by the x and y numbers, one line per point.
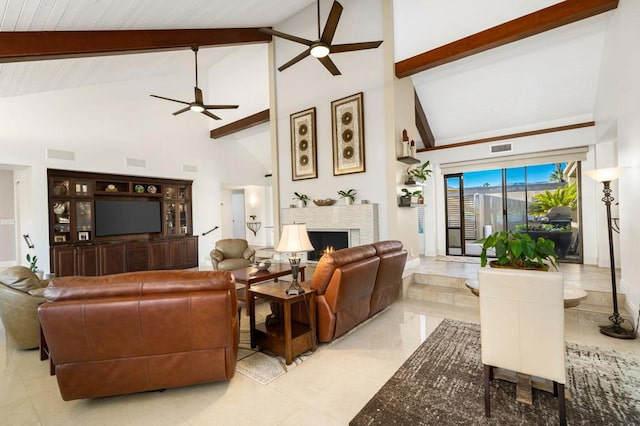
pixel 34 15
pixel 547 80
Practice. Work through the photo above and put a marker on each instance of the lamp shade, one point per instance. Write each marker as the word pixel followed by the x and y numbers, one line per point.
pixel 294 238
pixel 605 175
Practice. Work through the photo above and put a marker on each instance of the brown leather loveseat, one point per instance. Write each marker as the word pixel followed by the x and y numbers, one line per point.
pixel 354 284
pixel 140 331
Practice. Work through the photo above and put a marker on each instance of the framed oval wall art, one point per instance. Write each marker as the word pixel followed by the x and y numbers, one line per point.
pixel 303 145
pixel 347 119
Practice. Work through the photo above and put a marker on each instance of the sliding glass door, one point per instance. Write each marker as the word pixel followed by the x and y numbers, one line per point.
pixel 541 200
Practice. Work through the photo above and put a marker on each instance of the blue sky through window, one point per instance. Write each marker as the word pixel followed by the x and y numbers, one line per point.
pixel 535 174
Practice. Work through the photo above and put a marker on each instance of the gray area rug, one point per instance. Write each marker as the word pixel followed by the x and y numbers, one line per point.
pixel 441 384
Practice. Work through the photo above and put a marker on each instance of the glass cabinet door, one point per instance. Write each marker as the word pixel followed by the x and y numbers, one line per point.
pixel 170 217
pixel 84 220
pixel 61 221
pixel 182 215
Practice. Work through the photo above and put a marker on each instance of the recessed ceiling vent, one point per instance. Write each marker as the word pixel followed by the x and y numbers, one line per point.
pixel 58 154
pixel 504 147
pixel 135 162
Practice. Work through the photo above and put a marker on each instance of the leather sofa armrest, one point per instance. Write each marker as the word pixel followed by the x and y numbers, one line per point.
pixel 217 255
pixel 249 254
pixel 37 292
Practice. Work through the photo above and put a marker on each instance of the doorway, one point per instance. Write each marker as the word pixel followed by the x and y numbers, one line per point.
pixel 237 214
pixel 540 200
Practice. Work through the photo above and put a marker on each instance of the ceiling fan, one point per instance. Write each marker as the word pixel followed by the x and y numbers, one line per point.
pixel 198 105
pixel 322 47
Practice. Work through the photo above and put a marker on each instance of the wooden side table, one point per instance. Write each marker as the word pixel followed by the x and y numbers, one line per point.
pixel 287 338
pixel 252 275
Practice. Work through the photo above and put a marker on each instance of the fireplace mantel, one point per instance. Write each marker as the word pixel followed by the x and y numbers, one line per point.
pixel 361 220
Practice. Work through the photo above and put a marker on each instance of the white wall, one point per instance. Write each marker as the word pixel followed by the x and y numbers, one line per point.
pixel 105 124
pixel 618 119
pixel 8 255
pixel 308 84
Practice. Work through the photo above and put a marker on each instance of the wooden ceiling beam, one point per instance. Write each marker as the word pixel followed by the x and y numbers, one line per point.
pixel 424 130
pixel 242 124
pixel 20 46
pixel 563 13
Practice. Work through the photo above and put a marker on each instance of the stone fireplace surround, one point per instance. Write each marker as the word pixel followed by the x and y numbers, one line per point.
pixel 360 220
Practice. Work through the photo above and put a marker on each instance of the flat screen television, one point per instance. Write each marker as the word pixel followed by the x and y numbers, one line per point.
pixel 123 217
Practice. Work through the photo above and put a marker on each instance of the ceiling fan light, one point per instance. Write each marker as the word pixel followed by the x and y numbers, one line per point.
pixel 197 108
pixel 320 50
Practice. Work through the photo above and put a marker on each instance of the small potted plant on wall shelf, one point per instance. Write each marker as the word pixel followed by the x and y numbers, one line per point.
pixel 301 199
pixel 419 174
pixel 349 196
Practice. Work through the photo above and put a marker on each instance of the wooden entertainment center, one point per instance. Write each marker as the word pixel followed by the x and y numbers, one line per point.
pixel 102 224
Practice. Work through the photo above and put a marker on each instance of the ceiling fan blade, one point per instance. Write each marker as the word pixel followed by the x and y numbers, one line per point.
pixel 332 23
pixel 287 36
pixel 172 100
pixel 182 110
pixel 328 63
pixel 208 114
pixel 220 106
pixel 350 47
pixel 198 93
pixel 295 60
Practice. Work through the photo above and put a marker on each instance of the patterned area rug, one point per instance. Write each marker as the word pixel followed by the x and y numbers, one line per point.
pixel 263 367
pixel 441 384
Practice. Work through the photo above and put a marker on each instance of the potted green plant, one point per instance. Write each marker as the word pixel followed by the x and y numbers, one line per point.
pixel 301 199
pixel 405 198
pixel 418 196
pixel 349 196
pixel 33 262
pixel 518 250
pixel 420 173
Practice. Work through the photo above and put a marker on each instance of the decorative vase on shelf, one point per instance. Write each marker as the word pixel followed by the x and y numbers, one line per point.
pixel 348 201
pixel 405 148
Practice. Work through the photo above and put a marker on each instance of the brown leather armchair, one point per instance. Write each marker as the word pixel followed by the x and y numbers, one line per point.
pixel 232 253
pixel 140 331
pixel 20 294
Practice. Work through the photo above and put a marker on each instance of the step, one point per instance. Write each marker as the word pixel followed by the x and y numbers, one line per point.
pixel 595 309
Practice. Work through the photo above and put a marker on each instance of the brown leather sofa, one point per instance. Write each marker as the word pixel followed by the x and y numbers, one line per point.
pixel 354 284
pixel 20 294
pixel 140 331
pixel 232 253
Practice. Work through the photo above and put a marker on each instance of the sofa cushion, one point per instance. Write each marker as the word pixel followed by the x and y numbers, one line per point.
pixel 330 261
pixel 137 284
pixel 20 278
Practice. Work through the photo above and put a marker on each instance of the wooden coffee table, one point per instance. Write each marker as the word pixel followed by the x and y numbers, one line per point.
pixel 251 275
pixel 287 338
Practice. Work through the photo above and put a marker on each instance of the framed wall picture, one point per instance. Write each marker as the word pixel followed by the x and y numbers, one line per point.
pixel 303 145
pixel 347 119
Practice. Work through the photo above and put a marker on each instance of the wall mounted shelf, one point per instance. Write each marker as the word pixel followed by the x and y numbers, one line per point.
pixel 408 160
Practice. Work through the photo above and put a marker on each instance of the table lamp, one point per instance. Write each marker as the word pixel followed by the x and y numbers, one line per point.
pixel 615 329
pixel 294 239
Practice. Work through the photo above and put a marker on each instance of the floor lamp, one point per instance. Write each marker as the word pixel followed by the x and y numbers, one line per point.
pixel 294 240
pixel 615 329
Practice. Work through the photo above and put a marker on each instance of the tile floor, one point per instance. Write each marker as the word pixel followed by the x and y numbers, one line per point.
pixel 328 389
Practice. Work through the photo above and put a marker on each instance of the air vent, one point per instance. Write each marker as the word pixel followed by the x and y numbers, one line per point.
pixel 189 168
pixel 135 162
pixel 58 154
pixel 505 147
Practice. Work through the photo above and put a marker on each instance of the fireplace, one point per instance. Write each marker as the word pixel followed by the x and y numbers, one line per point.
pixel 327 241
